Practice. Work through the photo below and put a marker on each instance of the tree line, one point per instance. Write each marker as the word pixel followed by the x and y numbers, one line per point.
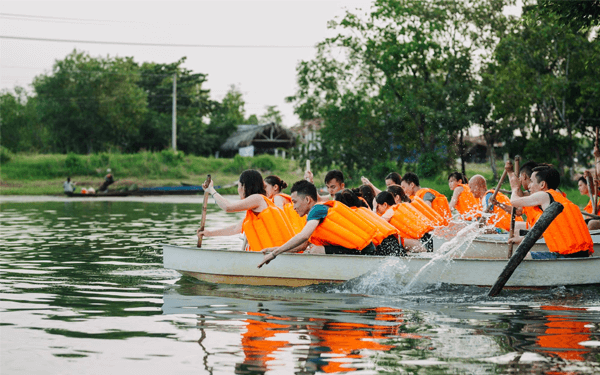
pixel 407 78
pixel 97 104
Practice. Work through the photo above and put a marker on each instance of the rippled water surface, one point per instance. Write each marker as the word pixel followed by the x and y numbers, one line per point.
pixel 83 291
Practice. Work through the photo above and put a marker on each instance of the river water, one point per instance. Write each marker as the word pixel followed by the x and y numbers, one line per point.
pixel 83 291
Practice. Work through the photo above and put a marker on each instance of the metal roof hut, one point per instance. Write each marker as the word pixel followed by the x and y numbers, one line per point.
pixel 249 140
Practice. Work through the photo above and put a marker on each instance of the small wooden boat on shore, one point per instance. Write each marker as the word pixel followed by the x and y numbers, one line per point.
pixel 240 267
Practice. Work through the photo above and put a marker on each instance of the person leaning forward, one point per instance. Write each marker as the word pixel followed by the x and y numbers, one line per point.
pixel 567 236
pixel 324 227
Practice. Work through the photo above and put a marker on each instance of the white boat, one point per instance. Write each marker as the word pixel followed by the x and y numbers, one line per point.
pixel 240 267
pixel 495 246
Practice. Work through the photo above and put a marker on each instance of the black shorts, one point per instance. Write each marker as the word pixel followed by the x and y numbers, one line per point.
pixel 368 250
pixel 390 247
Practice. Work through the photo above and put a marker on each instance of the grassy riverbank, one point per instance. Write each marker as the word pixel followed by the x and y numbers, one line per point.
pixel 26 174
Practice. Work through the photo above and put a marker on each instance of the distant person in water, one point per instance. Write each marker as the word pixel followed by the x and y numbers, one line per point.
pixel 68 186
pixel 108 180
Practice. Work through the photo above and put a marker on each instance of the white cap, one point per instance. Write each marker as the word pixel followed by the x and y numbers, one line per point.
pixel 108 170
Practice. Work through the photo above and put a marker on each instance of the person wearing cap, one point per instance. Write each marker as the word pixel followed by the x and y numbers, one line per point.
pixel 108 180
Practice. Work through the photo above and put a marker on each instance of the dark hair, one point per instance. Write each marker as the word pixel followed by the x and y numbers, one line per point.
pixel 253 182
pixel 410 177
pixel 347 197
pixel 68 179
pixel 458 176
pixel 396 190
pixel 385 197
pixel 394 177
pixel 527 168
pixel 548 174
pixel 366 192
pixel 274 180
pixel 304 187
pixel 582 179
pixel 338 175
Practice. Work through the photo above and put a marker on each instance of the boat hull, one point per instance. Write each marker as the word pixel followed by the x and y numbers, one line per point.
pixel 240 267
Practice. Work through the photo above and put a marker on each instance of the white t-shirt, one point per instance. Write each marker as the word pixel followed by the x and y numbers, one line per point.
pixel 67 187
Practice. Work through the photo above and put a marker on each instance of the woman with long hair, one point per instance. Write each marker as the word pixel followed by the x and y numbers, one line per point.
pixel 253 200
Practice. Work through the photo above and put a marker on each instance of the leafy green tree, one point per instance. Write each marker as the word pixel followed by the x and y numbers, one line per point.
pixel 193 108
pixel 272 114
pixel 91 104
pixel 415 61
pixel 544 83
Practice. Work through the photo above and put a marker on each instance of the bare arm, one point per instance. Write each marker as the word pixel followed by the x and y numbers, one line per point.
pixel 366 181
pixel 279 201
pixel 227 231
pixel 254 202
pixel 541 198
pixel 294 242
pixel 455 196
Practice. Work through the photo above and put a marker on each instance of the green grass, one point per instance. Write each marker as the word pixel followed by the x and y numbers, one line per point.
pixel 27 174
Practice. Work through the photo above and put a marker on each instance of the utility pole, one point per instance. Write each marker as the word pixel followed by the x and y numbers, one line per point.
pixel 174 131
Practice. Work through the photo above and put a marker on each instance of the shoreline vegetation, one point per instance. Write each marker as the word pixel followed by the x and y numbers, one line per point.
pixel 44 174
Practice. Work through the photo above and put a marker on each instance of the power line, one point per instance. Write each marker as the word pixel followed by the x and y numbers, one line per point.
pixel 150 44
pixel 24 16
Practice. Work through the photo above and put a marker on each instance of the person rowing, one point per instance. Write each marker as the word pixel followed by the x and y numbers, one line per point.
pixel 265 224
pixel 334 181
pixel 273 187
pixel 462 199
pixel 386 240
pixel 332 227
pixel 392 178
pixel 412 226
pixel 411 185
pixel 500 207
pixel 567 236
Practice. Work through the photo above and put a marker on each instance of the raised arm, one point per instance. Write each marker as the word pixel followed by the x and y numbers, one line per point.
pixel 254 202
pixel 366 181
pixel 541 198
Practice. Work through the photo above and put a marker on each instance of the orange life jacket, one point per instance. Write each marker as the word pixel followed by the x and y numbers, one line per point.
pixel 269 228
pixel 568 233
pixel 499 217
pixel 343 227
pixel 439 204
pixel 298 222
pixel 533 214
pixel 384 229
pixel 468 206
pixel 410 222
pixel 431 214
pixel 588 208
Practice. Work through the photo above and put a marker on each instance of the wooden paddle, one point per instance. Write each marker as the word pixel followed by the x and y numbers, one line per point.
pixel 591 188
pixel 595 180
pixel 551 212
pixel 490 206
pixel 204 204
pixel 513 212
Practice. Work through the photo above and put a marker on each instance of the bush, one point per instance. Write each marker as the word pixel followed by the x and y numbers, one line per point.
pixel 75 165
pixel 429 164
pixel 238 165
pixel 171 158
pixel 5 154
pixel 263 163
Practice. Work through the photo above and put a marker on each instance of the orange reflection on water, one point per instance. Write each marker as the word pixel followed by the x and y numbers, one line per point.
pixel 335 345
pixel 564 335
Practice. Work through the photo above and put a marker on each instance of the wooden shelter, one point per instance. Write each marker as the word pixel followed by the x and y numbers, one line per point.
pixel 249 140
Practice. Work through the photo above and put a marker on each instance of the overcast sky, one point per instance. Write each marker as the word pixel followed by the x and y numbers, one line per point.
pixel 264 75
